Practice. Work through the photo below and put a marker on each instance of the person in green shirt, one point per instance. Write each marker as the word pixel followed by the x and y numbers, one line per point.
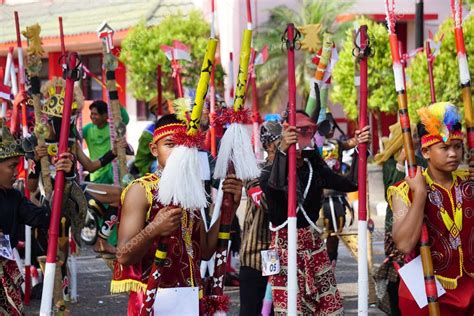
pixel 97 137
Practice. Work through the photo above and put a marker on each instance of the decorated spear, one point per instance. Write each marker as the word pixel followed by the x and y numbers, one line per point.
pixel 235 156
pixel 180 184
pixel 253 82
pixel 23 166
pixel 212 91
pixel 398 71
pixel 72 74
pixel 116 125
pixel 175 53
pixel 34 53
pixel 292 36
pixel 464 75
pixel 362 53
pixel 21 76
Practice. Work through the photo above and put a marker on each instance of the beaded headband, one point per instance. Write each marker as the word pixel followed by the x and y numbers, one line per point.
pixel 166 130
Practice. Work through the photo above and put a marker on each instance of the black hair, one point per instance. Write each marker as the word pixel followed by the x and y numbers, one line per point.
pixel 100 105
pixel 167 119
pixel 420 128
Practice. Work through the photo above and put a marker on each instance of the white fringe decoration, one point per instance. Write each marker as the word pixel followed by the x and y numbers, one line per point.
pixel 236 147
pixel 181 183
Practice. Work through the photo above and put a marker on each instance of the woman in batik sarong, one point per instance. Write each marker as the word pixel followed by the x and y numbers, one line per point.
pixel 317 291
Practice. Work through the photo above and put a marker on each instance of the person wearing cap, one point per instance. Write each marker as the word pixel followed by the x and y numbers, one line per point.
pixel 442 197
pixel 318 294
pixel 15 211
pixel 256 234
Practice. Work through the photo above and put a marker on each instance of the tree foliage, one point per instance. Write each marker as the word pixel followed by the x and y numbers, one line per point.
pixel 445 70
pixel 382 96
pixel 141 53
pixel 272 76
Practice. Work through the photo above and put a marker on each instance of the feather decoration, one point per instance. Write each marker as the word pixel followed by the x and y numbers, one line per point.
pixel 431 123
pixel 439 119
pixel 182 109
pixel 451 117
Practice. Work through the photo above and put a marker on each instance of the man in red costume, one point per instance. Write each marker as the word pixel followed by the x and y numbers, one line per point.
pixel 442 197
pixel 144 221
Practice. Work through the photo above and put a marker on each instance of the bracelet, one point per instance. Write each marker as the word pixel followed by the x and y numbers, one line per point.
pixel 108 157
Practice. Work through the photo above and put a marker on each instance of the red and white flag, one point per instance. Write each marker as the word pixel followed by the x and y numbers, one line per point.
pixel 5 93
pixel 178 51
pixel 262 57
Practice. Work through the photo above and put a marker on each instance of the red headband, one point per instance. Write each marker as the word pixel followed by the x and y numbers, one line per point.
pixel 428 140
pixel 167 130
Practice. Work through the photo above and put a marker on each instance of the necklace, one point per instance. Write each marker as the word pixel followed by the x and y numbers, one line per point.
pixel 453 225
pixel 187 223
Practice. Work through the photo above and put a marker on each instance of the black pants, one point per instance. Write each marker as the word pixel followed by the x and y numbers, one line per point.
pixel 252 291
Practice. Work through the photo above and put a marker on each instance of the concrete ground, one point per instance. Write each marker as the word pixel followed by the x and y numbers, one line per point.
pixel 94 275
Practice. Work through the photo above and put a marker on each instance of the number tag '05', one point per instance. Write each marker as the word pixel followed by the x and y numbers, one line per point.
pixel 270 262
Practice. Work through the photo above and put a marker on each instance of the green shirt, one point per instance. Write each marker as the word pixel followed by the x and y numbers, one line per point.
pixel 98 142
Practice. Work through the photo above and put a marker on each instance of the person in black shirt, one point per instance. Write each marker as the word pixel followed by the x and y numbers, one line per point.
pixel 318 294
pixel 16 210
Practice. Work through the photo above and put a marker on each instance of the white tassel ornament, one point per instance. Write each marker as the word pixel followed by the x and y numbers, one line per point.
pixel 236 147
pixel 181 183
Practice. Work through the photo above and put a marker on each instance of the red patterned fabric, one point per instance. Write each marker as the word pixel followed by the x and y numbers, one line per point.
pixel 317 291
pixel 444 251
pixel 176 271
pixel 458 302
pixel 10 289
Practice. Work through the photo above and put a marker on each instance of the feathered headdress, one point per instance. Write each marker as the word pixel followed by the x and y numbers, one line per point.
pixel 442 122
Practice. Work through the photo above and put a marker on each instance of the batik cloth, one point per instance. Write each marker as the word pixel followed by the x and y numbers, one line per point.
pixel 10 289
pixel 317 290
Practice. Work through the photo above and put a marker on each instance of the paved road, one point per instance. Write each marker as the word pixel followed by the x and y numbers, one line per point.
pixel 94 279
pixel 94 276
